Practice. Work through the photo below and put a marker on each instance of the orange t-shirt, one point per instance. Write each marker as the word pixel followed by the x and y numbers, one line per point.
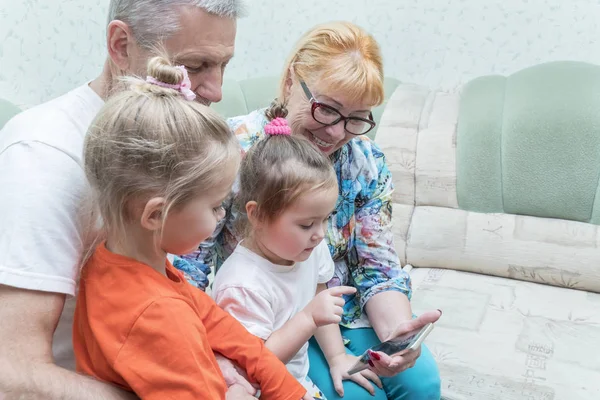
pixel 155 335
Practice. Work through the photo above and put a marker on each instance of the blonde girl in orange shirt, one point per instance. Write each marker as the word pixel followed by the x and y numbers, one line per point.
pixel 160 165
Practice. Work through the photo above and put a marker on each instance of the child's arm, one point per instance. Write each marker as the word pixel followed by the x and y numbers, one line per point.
pixel 289 339
pixel 331 343
pixel 230 338
pixel 329 337
pixel 324 309
pixel 166 355
pixel 255 313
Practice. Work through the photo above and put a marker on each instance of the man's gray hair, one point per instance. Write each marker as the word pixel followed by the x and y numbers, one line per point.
pixel 154 20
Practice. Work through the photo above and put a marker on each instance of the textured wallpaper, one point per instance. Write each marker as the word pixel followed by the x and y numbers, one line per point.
pixel 48 46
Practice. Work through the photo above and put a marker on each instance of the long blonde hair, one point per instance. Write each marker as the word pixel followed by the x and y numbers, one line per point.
pixel 343 58
pixel 148 141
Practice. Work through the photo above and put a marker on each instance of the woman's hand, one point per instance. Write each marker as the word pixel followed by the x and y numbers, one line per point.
pixel 385 365
pixel 338 368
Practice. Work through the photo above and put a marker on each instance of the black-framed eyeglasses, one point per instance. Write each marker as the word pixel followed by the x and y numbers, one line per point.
pixel 327 115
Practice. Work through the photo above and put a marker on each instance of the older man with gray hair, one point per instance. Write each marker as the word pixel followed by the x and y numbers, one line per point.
pixel 43 231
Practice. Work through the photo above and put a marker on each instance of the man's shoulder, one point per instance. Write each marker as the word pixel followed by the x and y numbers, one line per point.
pixel 60 123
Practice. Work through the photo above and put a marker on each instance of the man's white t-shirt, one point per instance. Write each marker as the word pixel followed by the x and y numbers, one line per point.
pixel 43 221
pixel 263 296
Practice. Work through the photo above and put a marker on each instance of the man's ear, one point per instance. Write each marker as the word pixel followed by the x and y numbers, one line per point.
pixel 152 214
pixel 118 41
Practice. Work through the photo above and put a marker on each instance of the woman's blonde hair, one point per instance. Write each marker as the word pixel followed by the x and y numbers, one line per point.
pixel 280 168
pixel 148 141
pixel 343 58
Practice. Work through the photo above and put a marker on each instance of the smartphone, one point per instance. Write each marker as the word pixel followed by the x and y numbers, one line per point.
pixel 409 342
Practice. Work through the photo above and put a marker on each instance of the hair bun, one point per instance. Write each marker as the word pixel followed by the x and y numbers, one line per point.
pixel 277 109
pixel 165 79
pixel 161 69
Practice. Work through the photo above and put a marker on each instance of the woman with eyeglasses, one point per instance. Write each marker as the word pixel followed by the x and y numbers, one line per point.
pixel 330 83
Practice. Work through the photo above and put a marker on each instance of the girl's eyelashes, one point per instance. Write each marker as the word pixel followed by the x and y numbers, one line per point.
pixel 324 221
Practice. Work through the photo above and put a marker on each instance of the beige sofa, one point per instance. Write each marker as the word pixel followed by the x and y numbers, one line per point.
pixel 518 286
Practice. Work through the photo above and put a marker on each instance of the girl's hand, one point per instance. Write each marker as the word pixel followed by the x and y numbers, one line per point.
pixel 307 396
pixel 327 306
pixel 338 368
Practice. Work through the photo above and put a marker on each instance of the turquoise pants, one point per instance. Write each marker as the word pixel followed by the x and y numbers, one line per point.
pixel 422 382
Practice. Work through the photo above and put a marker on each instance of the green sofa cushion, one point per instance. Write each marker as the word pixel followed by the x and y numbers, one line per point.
pixel 242 97
pixel 7 111
pixel 234 102
pixel 529 143
pixel 260 92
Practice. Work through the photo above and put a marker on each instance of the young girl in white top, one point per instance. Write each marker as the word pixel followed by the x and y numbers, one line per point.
pixel 288 189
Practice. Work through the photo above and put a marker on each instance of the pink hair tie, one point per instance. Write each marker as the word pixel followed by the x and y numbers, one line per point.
pixel 278 126
pixel 184 87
